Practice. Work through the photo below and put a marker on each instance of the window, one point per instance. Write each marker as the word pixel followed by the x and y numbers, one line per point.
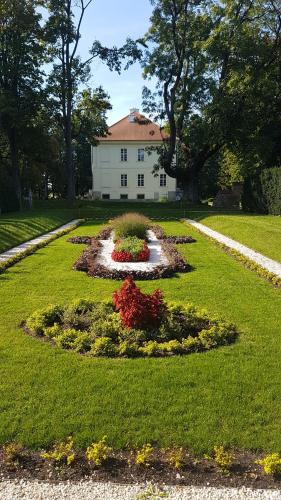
pixel 140 180
pixel 140 196
pixel 124 154
pixel 124 180
pixel 163 180
pixel 105 196
pixel 140 154
pixel 123 196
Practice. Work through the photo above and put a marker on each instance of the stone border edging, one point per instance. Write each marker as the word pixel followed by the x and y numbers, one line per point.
pixel 15 254
pixel 264 266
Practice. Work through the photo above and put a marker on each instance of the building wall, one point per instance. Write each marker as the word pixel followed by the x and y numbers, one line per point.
pixel 107 168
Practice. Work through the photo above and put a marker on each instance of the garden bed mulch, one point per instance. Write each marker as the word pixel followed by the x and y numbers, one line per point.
pixel 117 470
pixel 87 262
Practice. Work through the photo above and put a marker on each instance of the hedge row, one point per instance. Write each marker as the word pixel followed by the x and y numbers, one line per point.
pixel 262 192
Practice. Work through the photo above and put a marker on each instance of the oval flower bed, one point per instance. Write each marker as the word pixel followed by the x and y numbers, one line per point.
pixel 131 249
pixel 134 324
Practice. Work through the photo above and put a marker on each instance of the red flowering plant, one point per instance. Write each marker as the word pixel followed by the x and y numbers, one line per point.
pixel 138 310
pixel 131 249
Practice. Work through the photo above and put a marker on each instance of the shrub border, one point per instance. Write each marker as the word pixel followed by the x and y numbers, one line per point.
pixel 86 262
pixel 30 250
pixel 245 261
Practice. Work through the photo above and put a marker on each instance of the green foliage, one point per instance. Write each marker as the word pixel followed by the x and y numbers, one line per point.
pixel 74 339
pixel 222 458
pixel 39 320
pixel 62 452
pixel 152 492
pixel 98 452
pixel 104 346
pixel 130 244
pixel 230 169
pixel 13 452
pixel 143 455
pixel 262 192
pixel 271 464
pixel 130 224
pixel 175 457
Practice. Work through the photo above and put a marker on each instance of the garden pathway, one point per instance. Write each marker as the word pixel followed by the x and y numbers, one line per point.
pixel 270 265
pixel 90 490
pixel 40 239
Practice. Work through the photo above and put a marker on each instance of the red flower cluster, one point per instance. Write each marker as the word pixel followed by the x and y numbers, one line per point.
pixel 123 256
pixel 136 309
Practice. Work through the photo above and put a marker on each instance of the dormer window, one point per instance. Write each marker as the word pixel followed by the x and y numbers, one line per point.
pixel 124 154
pixel 141 154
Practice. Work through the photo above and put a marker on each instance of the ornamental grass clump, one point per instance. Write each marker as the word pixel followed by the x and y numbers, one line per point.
pixel 131 224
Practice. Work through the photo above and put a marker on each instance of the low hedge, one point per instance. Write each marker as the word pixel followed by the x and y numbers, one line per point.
pixel 262 192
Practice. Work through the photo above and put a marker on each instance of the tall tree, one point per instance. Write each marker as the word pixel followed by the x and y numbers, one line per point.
pixel 69 71
pixel 21 53
pixel 206 57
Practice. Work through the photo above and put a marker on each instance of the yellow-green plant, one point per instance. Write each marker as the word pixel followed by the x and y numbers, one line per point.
pixel 271 464
pixel 12 452
pixel 222 458
pixel 175 457
pixel 98 452
pixel 62 452
pixel 152 492
pixel 144 454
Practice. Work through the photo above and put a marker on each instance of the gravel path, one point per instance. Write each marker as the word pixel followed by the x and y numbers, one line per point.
pixel 270 265
pixel 88 490
pixel 31 243
pixel 156 256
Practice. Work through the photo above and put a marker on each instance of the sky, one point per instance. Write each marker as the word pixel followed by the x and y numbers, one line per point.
pixel 111 22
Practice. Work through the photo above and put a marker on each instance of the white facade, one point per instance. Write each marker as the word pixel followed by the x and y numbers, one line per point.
pixel 123 170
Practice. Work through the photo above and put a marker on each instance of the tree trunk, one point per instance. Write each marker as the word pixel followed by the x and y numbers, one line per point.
pixel 14 154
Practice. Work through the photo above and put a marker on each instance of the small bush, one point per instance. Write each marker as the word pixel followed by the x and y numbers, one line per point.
pixel 53 331
pixel 98 452
pixel 131 224
pixel 44 318
pixel 175 457
pixel 271 464
pixel 62 453
pixel 222 458
pixel 78 313
pixel 136 309
pixel 262 192
pixel 104 346
pixel 74 339
pixel 143 455
pixel 13 453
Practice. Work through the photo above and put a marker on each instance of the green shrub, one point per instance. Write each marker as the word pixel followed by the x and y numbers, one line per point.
pixel 131 224
pixel 74 339
pixel 53 331
pixel 262 192
pixel 129 349
pixel 192 344
pixel 44 318
pixel 170 347
pixel 217 335
pixel 98 452
pixel 109 326
pixel 78 313
pixel 271 464
pixel 104 346
pixel 62 452
pixel 150 348
pixel 222 458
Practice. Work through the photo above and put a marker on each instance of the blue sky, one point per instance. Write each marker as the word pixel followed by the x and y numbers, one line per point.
pixel 111 22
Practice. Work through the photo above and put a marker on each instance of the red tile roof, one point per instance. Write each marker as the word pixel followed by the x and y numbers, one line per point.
pixel 139 128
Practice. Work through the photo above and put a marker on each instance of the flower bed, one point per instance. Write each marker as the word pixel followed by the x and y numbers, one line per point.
pixel 130 249
pixel 88 261
pixel 133 325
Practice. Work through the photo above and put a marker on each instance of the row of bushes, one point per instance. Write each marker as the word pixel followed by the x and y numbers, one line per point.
pixel 135 324
pixel 262 192
pixel 64 453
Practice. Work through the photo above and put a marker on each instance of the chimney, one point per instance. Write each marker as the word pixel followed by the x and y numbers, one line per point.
pixel 132 114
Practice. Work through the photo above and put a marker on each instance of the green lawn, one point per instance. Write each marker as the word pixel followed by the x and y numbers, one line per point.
pixel 260 232
pixel 19 227
pixel 231 395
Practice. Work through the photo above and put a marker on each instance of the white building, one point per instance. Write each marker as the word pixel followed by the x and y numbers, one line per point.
pixel 122 167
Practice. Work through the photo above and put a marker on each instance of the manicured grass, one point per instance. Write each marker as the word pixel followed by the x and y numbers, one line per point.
pixel 231 395
pixel 260 232
pixel 19 227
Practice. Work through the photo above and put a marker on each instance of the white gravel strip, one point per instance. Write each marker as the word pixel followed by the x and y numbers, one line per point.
pixel 270 265
pixel 31 243
pixel 156 256
pixel 89 490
